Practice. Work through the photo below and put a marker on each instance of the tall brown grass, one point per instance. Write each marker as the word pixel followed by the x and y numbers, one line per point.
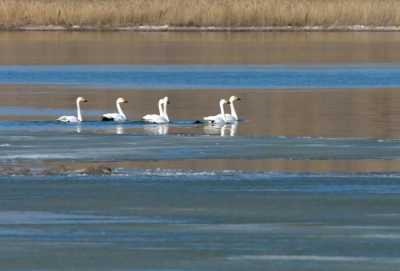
pixel 112 13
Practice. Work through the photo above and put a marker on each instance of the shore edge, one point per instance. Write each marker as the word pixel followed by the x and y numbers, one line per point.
pixel 167 28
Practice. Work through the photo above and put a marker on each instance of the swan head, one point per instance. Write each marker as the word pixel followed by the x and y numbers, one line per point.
pixel 121 101
pixel 223 101
pixel 233 99
pixel 166 100
pixel 81 99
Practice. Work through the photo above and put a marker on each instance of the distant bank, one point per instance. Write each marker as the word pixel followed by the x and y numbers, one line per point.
pixel 166 28
pixel 200 15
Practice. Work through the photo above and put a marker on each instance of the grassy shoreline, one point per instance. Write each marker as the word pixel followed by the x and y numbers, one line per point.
pixel 166 28
pixel 201 15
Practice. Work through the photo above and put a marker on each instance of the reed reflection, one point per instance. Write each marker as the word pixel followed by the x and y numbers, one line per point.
pixel 197 48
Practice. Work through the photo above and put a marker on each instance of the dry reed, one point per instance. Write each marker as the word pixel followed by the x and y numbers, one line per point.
pixel 113 13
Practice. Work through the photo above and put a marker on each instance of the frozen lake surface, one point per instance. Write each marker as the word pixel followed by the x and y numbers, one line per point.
pixel 200 220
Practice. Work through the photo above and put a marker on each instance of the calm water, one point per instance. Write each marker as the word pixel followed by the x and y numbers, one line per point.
pixel 308 180
pixel 184 77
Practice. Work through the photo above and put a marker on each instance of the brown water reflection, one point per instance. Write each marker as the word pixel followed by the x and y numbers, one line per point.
pixel 326 113
pixel 197 48
pixel 319 166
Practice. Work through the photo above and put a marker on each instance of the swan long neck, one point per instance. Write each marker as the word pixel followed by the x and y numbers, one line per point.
pixel 233 111
pixel 119 109
pixel 78 111
pixel 165 113
pixel 160 108
pixel 221 105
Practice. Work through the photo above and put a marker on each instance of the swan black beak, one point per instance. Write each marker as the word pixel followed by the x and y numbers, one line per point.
pixel 238 99
pixel 85 101
pixel 228 103
pixel 125 102
pixel 168 102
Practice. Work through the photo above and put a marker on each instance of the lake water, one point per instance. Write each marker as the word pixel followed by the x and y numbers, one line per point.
pixel 187 77
pixel 308 180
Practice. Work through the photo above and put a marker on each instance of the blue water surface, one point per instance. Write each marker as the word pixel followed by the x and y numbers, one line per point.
pixel 205 76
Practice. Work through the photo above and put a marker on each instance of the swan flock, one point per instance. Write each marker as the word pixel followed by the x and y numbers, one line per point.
pixel 161 117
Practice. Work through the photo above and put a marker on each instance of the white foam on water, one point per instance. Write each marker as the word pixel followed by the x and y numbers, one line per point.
pixel 316 258
pixel 5 145
pixel 167 172
pixel 35 156
pixel 385 215
pixel 40 218
pixel 389 236
pixel 240 175
pixel 361 227
pixel 252 174
pixel 230 175
pixel 249 227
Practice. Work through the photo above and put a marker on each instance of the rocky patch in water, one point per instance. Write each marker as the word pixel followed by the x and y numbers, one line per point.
pixel 59 170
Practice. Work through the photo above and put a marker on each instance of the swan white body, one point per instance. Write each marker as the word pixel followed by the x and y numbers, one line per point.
pixel 119 116
pixel 220 118
pixel 163 115
pixel 78 117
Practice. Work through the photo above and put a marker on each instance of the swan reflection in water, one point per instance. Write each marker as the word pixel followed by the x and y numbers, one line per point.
pixel 221 129
pixel 119 130
pixel 161 129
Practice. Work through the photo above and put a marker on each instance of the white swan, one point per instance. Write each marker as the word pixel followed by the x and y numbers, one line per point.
pixel 233 116
pixel 163 115
pixel 151 117
pixel 118 117
pixel 220 118
pixel 74 119
pixel 165 104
